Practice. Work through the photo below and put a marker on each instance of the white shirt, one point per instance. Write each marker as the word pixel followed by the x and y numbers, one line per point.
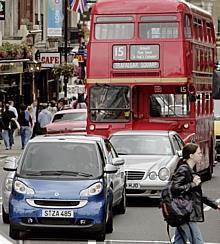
pixel 14 110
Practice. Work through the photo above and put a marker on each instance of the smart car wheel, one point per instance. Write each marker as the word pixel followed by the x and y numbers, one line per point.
pixel 121 207
pixel 109 224
pixel 100 236
pixel 5 216
pixel 14 233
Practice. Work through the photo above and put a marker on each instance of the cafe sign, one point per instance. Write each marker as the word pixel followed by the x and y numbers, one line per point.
pixel 50 59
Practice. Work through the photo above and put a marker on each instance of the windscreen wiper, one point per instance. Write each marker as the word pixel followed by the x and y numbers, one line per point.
pixel 65 172
pixel 58 172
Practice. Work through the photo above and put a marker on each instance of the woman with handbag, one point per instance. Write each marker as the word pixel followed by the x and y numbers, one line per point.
pixel 186 183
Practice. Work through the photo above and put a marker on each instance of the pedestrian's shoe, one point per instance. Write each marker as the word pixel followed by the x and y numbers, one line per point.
pixel 6 148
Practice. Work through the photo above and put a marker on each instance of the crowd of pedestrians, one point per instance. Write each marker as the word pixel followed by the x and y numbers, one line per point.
pixel 30 120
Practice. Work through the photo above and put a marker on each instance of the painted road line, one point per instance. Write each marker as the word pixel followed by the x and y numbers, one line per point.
pixel 207 208
pixel 4 240
pixel 155 242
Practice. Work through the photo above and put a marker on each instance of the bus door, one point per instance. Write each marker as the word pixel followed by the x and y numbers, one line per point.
pixel 139 106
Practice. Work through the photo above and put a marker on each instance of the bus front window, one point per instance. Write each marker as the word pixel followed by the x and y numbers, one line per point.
pixel 109 103
pixel 169 105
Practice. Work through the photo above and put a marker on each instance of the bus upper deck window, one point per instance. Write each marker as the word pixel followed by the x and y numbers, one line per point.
pixel 158 30
pixel 113 28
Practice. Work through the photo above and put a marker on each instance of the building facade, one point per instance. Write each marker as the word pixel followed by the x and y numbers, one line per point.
pixel 40 25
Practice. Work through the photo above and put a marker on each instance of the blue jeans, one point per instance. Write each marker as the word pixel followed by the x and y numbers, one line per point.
pixel 194 236
pixel 6 138
pixel 25 135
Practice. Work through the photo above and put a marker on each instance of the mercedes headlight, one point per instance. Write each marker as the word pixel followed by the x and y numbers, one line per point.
pixel 164 174
pixel 153 175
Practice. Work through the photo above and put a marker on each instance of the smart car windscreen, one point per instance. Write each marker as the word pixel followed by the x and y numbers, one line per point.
pixel 78 160
pixel 141 145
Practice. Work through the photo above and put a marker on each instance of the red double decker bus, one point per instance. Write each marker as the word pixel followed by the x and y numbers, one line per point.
pixel 150 66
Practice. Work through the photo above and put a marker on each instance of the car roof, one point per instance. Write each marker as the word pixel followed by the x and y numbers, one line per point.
pixel 68 137
pixel 70 111
pixel 144 132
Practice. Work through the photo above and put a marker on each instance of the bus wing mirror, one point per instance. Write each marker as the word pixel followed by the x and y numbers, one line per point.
pixel 192 97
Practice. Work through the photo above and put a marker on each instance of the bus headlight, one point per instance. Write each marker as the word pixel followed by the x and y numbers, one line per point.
pixel 92 127
pixel 186 126
pixel 164 174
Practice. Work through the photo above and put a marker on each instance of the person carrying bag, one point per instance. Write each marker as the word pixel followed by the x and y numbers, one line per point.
pixel 187 184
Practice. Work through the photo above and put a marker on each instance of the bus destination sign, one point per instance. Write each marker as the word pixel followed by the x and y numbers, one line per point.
pixel 136 65
pixel 145 52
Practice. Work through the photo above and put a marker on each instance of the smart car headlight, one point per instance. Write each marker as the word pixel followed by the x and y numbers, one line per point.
pixel 8 184
pixel 93 190
pixel 164 174
pixel 153 175
pixel 20 187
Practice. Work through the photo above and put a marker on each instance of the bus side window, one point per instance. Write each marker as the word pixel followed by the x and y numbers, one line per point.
pixel 187 27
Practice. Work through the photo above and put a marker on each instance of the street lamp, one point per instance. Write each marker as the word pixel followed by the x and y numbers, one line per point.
pixel 33 66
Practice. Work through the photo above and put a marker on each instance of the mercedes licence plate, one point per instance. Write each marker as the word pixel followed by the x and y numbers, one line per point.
pixel 56 213
pixel 132 185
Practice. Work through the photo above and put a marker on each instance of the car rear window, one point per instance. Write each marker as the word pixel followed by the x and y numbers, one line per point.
pixel 78 116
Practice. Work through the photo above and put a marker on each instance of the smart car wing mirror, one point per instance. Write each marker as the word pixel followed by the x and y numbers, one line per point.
pixel 10 164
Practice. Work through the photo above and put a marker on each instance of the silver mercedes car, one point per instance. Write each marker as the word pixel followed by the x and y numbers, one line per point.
pixel 150 158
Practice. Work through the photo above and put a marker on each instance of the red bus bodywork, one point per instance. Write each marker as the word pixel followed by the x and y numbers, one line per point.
pixel 147 50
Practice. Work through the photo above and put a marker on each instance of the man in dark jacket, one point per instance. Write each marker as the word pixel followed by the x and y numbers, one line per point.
pixel 26 124
pixel 7 115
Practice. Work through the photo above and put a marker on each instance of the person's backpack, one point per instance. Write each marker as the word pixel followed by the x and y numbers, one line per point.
pixel 175 210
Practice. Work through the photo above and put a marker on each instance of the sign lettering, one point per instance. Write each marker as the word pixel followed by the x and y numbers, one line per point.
pixel 145 52
pixel 49 59
pixel 119 52
pixel 136 65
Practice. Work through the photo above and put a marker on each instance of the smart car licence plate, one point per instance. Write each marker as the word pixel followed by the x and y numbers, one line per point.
pixel 55 213
pixel 132 185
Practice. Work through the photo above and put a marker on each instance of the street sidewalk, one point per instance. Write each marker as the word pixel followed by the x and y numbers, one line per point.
pixel 16 148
